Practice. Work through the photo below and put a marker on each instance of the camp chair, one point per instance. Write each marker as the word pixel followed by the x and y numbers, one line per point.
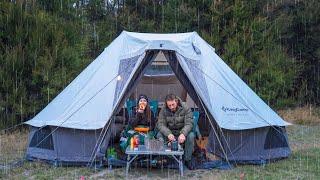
pixel 129 105
pixel 154 107
pixel 195 129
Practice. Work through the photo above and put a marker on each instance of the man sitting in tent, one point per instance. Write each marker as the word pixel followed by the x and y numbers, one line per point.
pixel 175 122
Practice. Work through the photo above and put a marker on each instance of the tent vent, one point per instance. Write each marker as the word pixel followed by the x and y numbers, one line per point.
pixel 197 50
pixel 42 139
pixel 275 138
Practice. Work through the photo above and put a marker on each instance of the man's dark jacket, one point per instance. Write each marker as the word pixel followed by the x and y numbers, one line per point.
pixel 176 123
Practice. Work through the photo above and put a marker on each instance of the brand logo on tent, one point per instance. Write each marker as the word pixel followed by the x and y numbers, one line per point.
pixel 234 109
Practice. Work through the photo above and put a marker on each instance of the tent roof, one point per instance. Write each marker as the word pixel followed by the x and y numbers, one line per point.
pixel 89 101
pixel 174 37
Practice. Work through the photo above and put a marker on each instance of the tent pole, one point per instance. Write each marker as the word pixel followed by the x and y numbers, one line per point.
pixel 105 130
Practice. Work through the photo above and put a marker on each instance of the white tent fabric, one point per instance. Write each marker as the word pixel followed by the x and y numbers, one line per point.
pixel 88 101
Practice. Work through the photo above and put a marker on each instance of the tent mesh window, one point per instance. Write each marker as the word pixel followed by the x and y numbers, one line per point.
pixel 42 139
pixel 159 70
pixel 275 138
pixel 125 69
pixel 195 68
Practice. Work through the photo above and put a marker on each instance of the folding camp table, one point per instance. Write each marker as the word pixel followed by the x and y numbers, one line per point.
pixel 142 150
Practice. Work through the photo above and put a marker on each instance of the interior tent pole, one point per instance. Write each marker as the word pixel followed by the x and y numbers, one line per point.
pixel 152 91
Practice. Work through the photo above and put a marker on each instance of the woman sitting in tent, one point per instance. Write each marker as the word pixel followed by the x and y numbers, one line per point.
pixel 143 116
pixel 142 121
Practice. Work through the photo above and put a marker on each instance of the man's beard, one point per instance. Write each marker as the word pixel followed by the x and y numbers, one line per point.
pixel 173 110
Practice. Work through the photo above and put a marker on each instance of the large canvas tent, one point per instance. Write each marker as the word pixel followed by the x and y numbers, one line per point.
pixel 76 126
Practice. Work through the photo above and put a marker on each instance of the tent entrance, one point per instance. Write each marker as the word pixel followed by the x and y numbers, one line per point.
pixel 158 75
pixel 158 80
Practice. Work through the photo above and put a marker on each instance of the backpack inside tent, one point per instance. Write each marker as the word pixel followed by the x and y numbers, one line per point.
pixel 78 124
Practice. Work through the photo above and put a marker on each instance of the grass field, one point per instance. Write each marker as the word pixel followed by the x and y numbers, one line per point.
pixel 304 163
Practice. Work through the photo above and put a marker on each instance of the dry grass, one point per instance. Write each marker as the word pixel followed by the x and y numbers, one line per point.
pixel 307 115
pixel 13 145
